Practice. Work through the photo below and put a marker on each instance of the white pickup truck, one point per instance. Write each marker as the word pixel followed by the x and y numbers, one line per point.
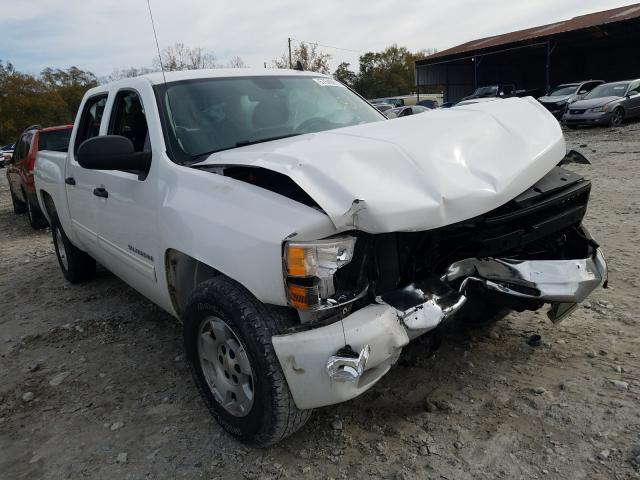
pixel 301 238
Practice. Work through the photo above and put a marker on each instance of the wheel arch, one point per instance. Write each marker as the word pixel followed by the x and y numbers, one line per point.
pixel 183 274
pixel 49 205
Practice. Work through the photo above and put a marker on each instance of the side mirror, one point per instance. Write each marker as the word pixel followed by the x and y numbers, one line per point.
pixel 113 152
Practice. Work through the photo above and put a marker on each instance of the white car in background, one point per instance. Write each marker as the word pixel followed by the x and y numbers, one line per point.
pixel 6 153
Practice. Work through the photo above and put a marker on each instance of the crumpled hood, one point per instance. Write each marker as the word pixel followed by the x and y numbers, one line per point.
pixel 418 172
pixel 593 102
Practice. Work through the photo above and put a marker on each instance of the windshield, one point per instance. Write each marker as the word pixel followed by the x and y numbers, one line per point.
pixel 563 90
pixel 608 90
pixel 216 114
pixel 487 91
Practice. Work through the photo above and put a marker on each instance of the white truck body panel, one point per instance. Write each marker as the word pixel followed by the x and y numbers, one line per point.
pixel 162 213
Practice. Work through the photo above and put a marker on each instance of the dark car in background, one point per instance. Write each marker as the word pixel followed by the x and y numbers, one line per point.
pixel 488 91
pixel 607 104
pixel 405 111
pixel 561 96
pixel 20 167
pixel 430 104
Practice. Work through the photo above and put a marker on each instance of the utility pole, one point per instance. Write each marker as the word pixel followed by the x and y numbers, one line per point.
pixel 290 62
pixel 265 64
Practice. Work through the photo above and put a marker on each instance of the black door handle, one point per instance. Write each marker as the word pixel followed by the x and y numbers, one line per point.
pixel 70 181
pixel 101 192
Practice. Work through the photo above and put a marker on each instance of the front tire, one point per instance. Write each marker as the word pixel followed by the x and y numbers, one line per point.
pixel 77 266
pixel 227 335
pixel 617 117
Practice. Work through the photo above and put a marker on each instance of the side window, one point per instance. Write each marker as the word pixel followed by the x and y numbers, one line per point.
pixel 28 142
pixel 23 147
pixel 634 88
pixel 587 87
pixel 91 119
pixel 18 152
pixel 128 120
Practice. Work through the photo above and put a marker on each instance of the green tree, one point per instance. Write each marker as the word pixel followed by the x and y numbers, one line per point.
pixel 70 84
pixel 389 72
pixel 49 99
pixel 345 75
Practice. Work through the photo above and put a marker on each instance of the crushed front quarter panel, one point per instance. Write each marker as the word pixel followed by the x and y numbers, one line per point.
pixel 420 172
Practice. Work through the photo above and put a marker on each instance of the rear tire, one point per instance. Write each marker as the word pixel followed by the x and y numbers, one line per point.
pixel 36 218
pixel 77 266
pixel 227 332
pixel 19 207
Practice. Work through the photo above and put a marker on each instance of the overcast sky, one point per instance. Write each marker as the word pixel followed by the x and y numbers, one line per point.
pixel 107 34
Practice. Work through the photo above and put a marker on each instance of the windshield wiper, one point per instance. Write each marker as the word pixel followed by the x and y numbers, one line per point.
pixel 243 143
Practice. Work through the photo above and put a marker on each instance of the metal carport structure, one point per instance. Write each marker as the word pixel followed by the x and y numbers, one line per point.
pixel 602 45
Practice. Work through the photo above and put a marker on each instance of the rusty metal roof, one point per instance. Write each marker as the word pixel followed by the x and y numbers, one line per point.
pixel 577 23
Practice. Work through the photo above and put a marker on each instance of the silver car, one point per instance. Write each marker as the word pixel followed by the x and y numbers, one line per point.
pixel 561 96
pixel 607 104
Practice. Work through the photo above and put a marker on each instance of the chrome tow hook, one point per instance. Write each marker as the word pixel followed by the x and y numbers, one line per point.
pixel 347 365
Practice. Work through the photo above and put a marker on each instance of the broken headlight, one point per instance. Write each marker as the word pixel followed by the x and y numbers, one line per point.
pixel 309 269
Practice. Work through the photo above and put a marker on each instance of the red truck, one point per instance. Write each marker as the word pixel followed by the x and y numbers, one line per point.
pixel 20 167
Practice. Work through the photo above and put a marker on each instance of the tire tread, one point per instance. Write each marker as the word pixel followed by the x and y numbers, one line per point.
pixel 265 321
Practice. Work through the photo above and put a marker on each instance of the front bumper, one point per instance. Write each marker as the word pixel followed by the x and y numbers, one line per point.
pixel 312 360
pixel 593 118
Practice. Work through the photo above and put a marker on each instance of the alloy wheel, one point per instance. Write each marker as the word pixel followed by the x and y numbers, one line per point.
pixel 225 366
pixel 616 118
pixel 62 252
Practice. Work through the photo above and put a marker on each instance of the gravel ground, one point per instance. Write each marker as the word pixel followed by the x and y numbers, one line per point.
pixel 93 381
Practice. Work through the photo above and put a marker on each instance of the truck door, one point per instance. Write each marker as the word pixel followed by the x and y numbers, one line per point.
pixel 127 217
pixel 81 182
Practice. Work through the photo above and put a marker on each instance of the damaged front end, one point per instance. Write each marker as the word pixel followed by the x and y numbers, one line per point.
pixel 363 297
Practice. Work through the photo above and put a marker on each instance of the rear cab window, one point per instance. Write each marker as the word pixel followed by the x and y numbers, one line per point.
pixel 55 140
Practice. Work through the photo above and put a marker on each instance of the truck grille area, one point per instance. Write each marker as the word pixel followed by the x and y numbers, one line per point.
pixel 541 223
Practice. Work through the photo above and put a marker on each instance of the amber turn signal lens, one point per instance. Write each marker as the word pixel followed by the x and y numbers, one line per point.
pixel 296 261
pixel 301 297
